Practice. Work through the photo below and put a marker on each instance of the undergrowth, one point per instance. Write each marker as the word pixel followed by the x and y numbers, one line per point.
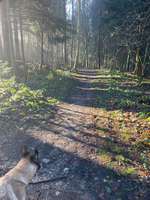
pixel 18 97
pixel 41 91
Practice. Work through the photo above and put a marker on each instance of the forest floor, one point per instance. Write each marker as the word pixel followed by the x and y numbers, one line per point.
pixel 93 138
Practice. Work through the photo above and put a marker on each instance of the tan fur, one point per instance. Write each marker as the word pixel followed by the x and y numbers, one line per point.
pixel 13 184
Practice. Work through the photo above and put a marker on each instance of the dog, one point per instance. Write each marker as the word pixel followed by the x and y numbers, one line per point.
pixel 13 184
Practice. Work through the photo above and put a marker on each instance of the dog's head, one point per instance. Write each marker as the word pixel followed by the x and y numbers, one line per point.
pixel 32 155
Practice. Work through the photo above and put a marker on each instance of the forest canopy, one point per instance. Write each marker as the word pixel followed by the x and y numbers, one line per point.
pixel 111 34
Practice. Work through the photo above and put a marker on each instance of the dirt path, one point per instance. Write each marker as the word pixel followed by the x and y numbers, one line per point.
pixel 68 145
pixel 71 142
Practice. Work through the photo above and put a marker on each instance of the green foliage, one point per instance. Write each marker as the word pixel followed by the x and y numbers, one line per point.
pixel 119 23
pixel 145 114
pixel 119 92
pixel 129 171
pixel 121 159
pixel 42 90
pixel 144 99
pixel 16 96
pixel 145 160
pixel 102 152
pixel 115 148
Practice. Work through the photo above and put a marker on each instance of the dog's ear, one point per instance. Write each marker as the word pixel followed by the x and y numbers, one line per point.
pixel 24 151
pixel 36 154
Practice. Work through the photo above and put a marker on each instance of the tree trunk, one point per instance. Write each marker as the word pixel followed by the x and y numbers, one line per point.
pixel 17 49
pixel 87 54
pixel 65 44
pixel 72 34
pixel 52 53
pixel 11 38
pixel 76 63
pixel 5 31
pixel 22 47
pixel 138 65
pixel 42 49
pixel 47 51
pixel 128 61
pixel 1 49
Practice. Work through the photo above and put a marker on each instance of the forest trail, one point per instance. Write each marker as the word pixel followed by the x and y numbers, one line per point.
pixel 71 145
pixel 68 144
